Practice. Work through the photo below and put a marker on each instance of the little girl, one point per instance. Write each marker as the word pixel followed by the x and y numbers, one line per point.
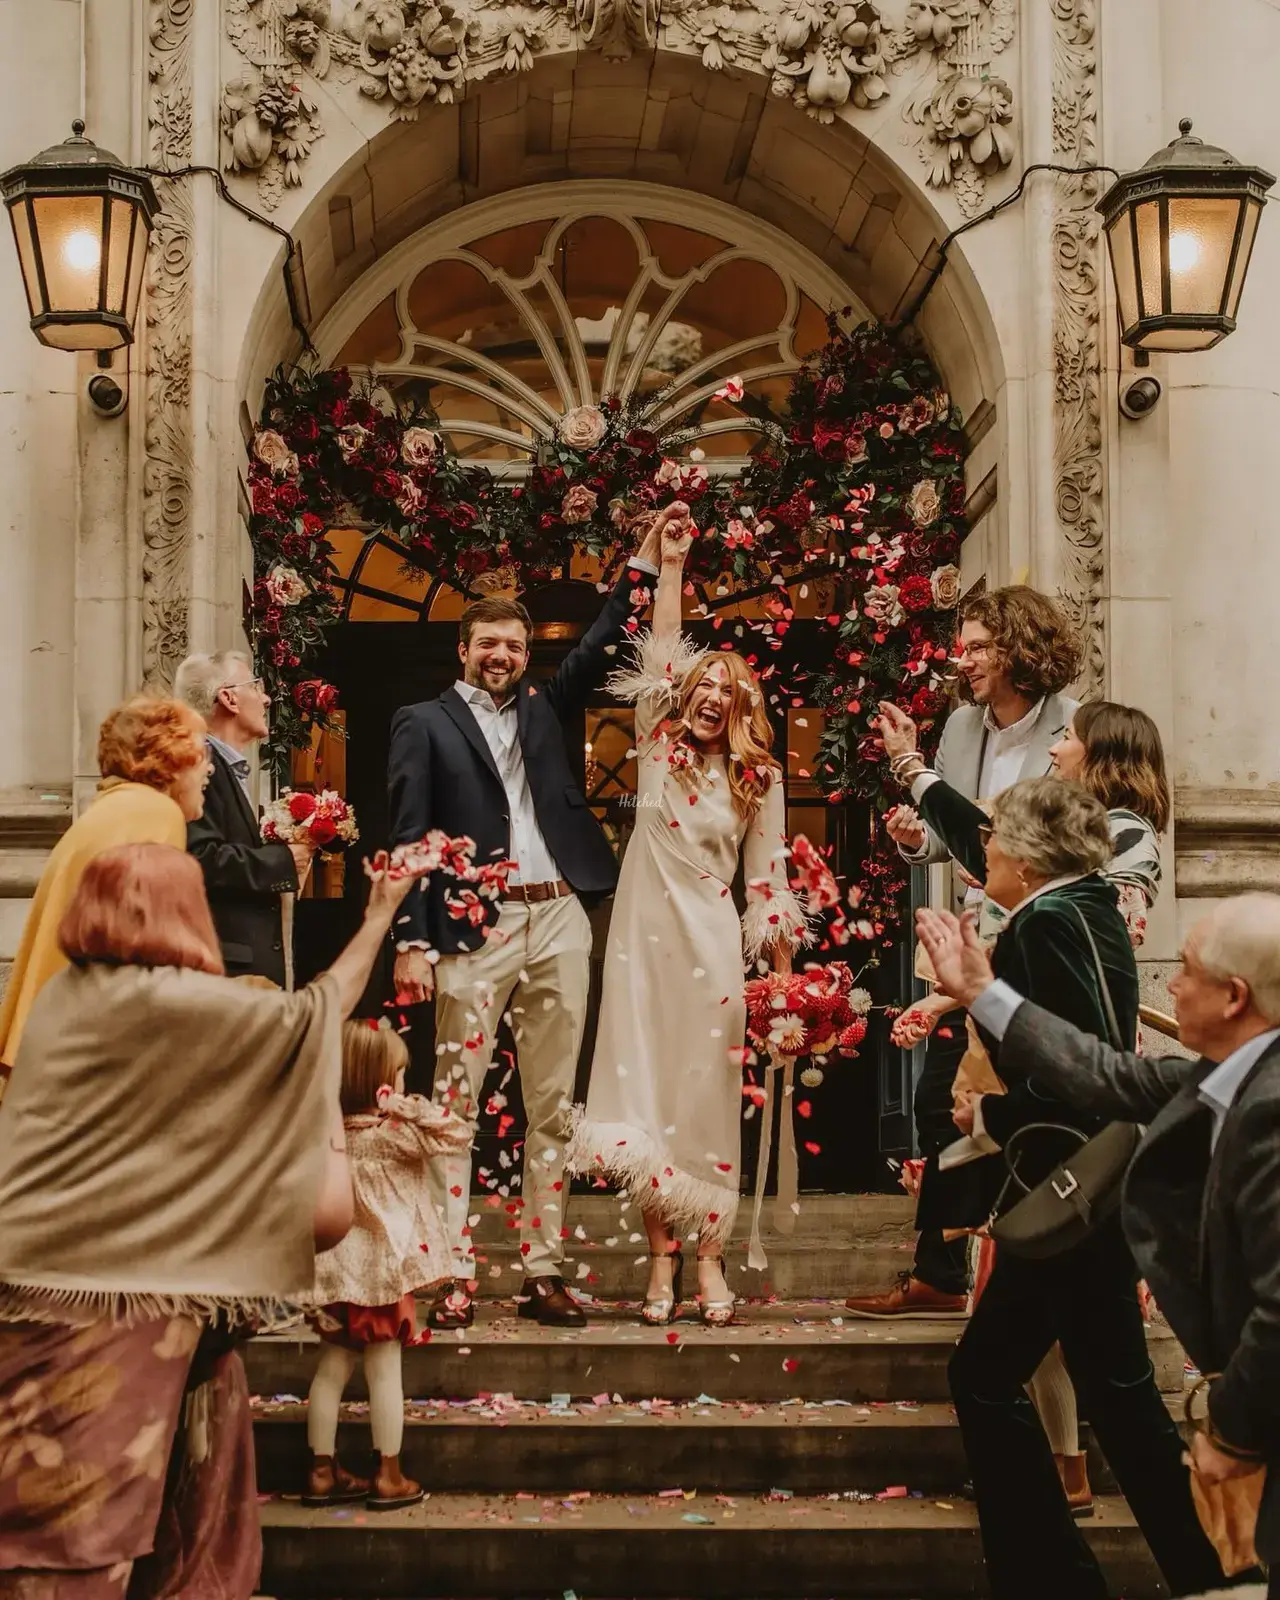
pixel 366 1284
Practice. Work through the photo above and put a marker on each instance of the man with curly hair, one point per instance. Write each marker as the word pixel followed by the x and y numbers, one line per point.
pixel 1018 654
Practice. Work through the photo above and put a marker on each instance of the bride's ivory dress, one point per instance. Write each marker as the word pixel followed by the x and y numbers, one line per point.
pixel 663 1116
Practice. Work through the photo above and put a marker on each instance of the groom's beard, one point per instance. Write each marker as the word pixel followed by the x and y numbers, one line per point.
pixel 498 684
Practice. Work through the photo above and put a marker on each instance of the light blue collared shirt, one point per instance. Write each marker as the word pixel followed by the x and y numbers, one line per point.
pixel 1219 1090
pixel 238 763
pixel 995 1006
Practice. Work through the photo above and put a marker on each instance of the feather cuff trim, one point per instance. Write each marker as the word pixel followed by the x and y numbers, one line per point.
pixel 631 1159
pixel 769 916
pixel 658 668
pixel 80 1307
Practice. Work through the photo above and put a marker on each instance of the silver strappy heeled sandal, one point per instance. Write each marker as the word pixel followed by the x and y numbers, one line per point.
pixel 717 1313
pixel 661 1309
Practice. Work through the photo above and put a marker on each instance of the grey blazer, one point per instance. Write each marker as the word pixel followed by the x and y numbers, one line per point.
pixel 959 758
pixel 1203 1221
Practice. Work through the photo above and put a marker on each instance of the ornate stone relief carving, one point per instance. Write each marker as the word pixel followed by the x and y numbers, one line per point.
pixel 1077 334
pixel 170 309
pixel 825 55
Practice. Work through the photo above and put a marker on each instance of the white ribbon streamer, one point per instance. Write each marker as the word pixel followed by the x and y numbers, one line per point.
pixel 786 1202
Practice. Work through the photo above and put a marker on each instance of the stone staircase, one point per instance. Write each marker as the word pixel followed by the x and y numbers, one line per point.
pixel 797 1453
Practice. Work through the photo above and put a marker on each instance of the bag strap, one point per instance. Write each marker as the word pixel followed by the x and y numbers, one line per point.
pixel 1105 992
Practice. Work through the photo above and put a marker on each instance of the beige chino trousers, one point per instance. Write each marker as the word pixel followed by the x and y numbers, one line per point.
pixel 536 961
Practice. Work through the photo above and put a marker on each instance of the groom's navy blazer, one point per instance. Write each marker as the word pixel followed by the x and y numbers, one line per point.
pixel 441 774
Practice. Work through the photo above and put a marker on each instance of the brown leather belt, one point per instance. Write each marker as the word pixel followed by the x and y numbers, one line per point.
pixel 534 893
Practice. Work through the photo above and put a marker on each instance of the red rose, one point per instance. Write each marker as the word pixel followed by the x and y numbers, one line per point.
pixel 462 515
pixel 313 696
pixel 926 703
pixel 323 830
pixel 641 439
pixel 828 441
pixel 301 806
pixel 387 484
pixel 264 499
pixel 339 413
pixel 312 525
pixel 288 496
pixel 915 594
pixel 304 429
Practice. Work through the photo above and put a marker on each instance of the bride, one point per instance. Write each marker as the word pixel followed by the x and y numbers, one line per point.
pixel 663 1112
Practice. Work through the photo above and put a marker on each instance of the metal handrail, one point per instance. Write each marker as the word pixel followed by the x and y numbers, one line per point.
pixel 1159 1020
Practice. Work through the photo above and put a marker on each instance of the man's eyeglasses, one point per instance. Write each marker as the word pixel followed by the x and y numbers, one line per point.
pixel 980 650
pixel 986 832
pixel 244 683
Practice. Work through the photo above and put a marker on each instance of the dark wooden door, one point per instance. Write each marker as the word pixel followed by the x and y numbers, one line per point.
pixel 380 666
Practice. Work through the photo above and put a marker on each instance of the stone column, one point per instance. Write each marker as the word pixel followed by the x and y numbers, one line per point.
pixel 1222 536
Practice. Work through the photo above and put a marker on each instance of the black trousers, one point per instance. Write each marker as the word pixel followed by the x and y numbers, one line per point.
pixel 943 1266
pixel 1087 1299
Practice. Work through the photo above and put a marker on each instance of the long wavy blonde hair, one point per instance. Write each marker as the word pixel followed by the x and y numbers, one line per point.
pixel 751 765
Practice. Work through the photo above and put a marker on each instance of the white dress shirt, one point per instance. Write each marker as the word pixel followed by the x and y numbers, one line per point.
pixel 236 760
pixel 529 850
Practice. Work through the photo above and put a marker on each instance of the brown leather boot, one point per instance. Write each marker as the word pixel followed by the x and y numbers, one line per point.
pixel 1074 1472
pixel 392 1491
pixel 910 1298
pixel 330 1484
pixel 550 1303
pixel 451 1305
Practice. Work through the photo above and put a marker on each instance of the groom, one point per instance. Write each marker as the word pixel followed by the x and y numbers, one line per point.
pixel 487 759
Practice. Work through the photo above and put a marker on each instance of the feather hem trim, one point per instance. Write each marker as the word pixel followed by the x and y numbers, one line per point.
pixel 34 1303
pixel 658 668
pixel 631 1159
pixel 767 918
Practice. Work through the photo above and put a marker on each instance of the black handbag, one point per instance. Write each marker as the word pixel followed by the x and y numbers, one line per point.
pixel 1084 1189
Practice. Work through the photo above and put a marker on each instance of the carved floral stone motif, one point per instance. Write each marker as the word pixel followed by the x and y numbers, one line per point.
pixel 830 57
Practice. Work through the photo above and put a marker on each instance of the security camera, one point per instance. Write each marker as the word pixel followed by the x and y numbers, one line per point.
pixel 107 395
pixel 1140 398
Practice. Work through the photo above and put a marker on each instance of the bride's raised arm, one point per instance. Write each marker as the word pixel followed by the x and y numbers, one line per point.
pixel 661 658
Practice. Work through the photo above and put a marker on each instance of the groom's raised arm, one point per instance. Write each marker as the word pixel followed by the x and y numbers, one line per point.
pixel 581 669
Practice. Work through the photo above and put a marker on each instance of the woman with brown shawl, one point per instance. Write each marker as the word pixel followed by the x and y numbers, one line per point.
pixel 170 1156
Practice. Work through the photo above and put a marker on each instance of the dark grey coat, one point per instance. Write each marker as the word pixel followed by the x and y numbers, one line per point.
pixel 1203 1222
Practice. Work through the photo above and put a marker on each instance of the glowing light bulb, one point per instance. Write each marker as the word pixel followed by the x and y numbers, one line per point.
pixel 1184 252
pixel 82 250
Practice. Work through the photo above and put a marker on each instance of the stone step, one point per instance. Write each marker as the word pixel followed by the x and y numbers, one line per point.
pixel 711 1546
pixel 806 1350
pixel 841 1245
pixel 734 1448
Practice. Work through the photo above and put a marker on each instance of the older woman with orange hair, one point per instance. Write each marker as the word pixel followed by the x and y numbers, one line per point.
pixel 171 1155
pixel 151 754
pixel 664 1110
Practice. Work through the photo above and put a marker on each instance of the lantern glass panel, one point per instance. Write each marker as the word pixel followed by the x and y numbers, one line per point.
pixel 1120 238
pixel 1147 222
pixel 25 241
pixel 137 268
pixel 1248 227
pixel 69 228
pixel 1201 234
pixel 119 229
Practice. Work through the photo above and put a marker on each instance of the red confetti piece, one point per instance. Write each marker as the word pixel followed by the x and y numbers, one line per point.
pixel 789 1363
pixel 813 1149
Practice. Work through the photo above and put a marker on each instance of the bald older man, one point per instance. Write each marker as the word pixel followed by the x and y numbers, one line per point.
pixel 1202 1197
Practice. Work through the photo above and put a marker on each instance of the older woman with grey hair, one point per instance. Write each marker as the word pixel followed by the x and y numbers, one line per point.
pixel 1066 944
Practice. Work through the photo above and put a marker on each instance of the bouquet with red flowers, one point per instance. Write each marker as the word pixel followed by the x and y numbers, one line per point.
pixel 809 1013
pixel 299 817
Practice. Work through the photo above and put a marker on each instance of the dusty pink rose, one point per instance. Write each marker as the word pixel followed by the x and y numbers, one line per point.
pixel 855 445
pixel 583 427
pixel 881 604
pixel 274 453
pixel 419 446
pixel 411 499
pixel 924 503
pixel 945 583
pixel 285 586
pixel 351 440
pixel 916 414
pixel 668 472
pixel 579 504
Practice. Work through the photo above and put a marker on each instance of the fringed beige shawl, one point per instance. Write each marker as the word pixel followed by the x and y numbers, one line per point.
pixel 163 1152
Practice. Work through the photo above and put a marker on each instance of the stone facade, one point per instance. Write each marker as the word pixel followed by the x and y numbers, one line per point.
pixel 862 132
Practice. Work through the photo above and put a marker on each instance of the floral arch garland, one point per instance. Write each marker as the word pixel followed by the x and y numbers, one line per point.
pixel 860 478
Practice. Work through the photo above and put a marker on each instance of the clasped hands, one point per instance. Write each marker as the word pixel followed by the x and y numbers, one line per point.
pixel 669 537
pixel 963 971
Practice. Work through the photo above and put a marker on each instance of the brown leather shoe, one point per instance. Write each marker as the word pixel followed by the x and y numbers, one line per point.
pixel 1074 1472
pixel 451 1306
pixel 547 1300
pixel 392 1491
pixel 330 1484
pixel 908 1298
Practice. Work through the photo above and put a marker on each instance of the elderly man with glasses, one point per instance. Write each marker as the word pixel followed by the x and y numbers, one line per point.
pixel 245 878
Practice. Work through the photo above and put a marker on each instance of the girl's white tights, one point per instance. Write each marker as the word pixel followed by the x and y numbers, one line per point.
pixel 386 1396
pixel 1054 1398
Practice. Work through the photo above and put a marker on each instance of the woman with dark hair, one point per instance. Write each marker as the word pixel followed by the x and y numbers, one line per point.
pixel 154 766
pixel 170 1154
